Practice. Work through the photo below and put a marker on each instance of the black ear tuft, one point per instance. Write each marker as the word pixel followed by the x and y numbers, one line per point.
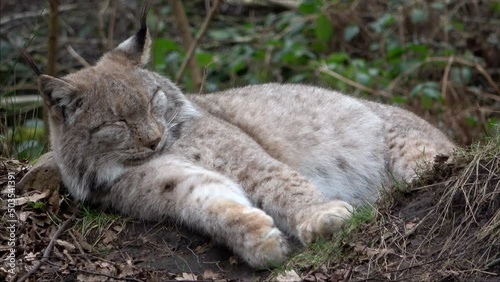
pixel 30 62
pixel 142 33
pixel 136 49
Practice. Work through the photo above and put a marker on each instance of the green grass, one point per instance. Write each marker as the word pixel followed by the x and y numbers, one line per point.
pixel 324 250
pixel 94 223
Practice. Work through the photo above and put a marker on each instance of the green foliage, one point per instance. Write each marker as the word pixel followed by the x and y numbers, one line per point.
pixel 323 250
pixel 24 142
pixel 366 50
pixel 38 205
pixel 385 49
pixel 95 223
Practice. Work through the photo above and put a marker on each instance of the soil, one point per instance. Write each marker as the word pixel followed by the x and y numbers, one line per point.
pixel 442 227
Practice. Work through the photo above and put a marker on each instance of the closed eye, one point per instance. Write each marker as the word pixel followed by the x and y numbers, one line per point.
pixel 120 122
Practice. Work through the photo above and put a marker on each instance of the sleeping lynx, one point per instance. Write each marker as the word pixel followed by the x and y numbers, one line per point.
pixel 243 166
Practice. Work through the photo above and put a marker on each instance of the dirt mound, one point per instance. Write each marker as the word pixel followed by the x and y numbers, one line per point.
pixel 443 227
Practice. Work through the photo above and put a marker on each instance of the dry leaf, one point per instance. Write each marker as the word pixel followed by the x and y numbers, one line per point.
pixel 65 244
pixel 234 260
pixel 289 275
pixel 210 274
pixel 186 276
pixel 109 236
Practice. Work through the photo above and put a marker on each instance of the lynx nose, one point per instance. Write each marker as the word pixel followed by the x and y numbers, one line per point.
pixel 152 143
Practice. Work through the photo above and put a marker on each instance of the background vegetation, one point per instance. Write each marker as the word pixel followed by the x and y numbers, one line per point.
pixel 439 59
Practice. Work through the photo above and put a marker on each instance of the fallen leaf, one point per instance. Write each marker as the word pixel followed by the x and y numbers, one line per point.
pixel 21 201
pixel 289 275
pixel 234 260
pixel 65 244
pixel 186 276
pixel 109 236
pixel 210 274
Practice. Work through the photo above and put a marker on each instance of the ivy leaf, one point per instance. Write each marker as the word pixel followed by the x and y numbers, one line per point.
pixel 418 16
pixel 308 7
pixel 350 32
pixel 324 29
pixel 204 58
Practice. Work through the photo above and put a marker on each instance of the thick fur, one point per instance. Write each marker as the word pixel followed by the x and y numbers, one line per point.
pixel 242 166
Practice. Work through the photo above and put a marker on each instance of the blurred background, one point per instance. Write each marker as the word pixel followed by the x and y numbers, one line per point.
pixel 438 59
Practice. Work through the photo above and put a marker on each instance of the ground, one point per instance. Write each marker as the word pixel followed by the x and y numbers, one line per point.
pixel 443 227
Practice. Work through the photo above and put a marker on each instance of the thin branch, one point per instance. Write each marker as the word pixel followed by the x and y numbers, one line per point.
pixel 199 35
pixel 446 59
pixel 100 23
pixel 51 60
pixel 324 69
pixel 53 36
pixel 31 14
pixel 187 39
pixel 108 276
pixel 48 250
pixel 77 56
pixel 445 76
pixel 111 27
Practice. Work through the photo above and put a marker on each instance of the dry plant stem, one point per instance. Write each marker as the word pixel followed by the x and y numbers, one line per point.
pixel 32 14
pixel 111 27
pixel 51 59
pixel 77 56
pixel 100 22
pixel 53 34
pixel 446 59
pixel 445 78
pixel 108 276
pixel 324 69
pixel 48 250
pixel 197 39
pixel 187 39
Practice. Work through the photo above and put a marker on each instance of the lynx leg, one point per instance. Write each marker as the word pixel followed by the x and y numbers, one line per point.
pixel 205 201
pixel 229 217
pixel 296 204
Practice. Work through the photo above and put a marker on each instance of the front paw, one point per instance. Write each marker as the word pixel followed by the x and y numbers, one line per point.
pixel 270 251
pixel 264 245
pixel 323 221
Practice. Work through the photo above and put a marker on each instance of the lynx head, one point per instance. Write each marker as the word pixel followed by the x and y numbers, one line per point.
pixel 113 114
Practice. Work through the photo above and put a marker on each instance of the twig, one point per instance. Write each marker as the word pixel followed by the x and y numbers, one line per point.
pixel 324 69
pixel 49 248
pixel 100 23
pixel 77 56
pixel 187 39
pixel 31 14
pixel 446 59
pixel 53 36
pixel 445 77
pixel 204 80
pixel 198 37
pixel 51 60
pixel 111 27
pixel 108 276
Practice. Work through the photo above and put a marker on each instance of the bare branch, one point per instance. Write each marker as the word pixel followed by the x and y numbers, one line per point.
pixel 48 250
pixel 187 39
pixel 199 35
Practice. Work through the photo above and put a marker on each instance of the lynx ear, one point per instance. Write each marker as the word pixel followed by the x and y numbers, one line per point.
pixel 137 48
pixel 59 96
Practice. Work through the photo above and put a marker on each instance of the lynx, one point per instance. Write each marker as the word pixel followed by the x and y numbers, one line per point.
pixel 246 166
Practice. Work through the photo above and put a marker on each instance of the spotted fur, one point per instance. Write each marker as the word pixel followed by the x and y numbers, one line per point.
pixel 243 166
